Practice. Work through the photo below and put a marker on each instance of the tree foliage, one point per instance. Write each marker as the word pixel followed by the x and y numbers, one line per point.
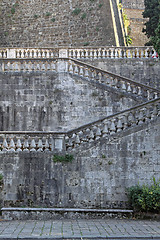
pixel 152 26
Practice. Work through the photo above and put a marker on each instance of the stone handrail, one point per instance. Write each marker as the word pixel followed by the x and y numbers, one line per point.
pixel 113 124
pixel 31 141
pixel 81 69
pixel 78 53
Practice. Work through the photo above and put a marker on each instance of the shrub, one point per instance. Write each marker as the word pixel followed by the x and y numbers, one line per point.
pixel 53 19
pixel 48 14
pixel 76 11
pixel 145 198
pixel 63 158
pixel 13 10
pixel 84 16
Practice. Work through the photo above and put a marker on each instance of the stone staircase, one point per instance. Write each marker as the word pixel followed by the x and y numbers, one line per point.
pixel 147 110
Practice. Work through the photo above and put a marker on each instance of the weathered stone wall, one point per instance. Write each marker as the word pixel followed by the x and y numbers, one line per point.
pixel 40 23
pixel 138 4
pixel 48 101
pixel 145 71
pixel 97 177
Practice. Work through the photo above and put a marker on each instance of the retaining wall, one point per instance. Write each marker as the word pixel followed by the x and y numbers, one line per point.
pixel 97 177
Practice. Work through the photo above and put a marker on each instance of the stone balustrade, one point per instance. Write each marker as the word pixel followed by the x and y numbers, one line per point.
pixel 111 80
pixel 111 125
pixel 78 53
pixel 103 128
pixel 31 141
pixel 82 70
pixel 111 52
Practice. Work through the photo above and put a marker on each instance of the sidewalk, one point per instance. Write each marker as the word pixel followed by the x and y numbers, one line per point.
pixel 80 229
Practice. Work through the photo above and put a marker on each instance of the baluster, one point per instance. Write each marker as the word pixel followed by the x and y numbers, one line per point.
pixel 99 53
pixel 129 53
pixel 43 66
pixel 134 53
pixel 91 136
pixel 146 53
pixel 46 145
pixel 98 133
pixel 154 112
pixel 26 145
pixel 76 69
pixel 112 53
pixel 116 53
pixel 19 145
pixel 103 53
pixel 87 55
pixel 48 66
pixel 112 127
pixel 95 54
pixel 120 53
pixel 155 95
pixel 131 119
pixel 40 145
pixel 134 89
pixel 140 116
pixel 119 124
pixel 124 86
pixel 138 53
pixel 129 88
pixel 78 53
pixel 4 145
pixel 81 73
pixel 107 55
pixel 139 91
pixel 86 73
pixel 125 122
pixel 33 145
pixel 11 145
pixel 125 53
pixel 82 53
pixel 70 68
pixel 77 140
pixel 105 129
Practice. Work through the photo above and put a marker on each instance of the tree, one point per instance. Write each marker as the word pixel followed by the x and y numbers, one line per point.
pixel 152 12
pixel 156 39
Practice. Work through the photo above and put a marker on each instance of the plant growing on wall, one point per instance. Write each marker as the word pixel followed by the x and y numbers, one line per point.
pixel 76 11
pixel 145 198
pixel 63 158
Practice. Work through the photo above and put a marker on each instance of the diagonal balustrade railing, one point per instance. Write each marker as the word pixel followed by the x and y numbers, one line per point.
pixel 83 70
pixel 111 80
pixel 63 141
pixel 108 126
pixel 79 53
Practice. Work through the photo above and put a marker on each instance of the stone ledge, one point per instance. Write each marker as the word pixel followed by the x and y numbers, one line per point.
pixel 62 213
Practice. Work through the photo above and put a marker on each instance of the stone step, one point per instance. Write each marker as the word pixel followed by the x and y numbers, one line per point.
pixel 19 213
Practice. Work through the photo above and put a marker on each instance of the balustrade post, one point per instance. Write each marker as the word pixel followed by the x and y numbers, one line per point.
pixel 59 142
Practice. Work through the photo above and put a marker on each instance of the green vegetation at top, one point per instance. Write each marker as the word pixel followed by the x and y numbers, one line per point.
pixel 152 26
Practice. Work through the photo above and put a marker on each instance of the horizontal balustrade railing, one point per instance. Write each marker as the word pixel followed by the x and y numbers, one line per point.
pixel 111 125
pixel 79 53
pixel 111 52
pixel 111 80
pixel 31 141
pixel 81 69
pixel 28 65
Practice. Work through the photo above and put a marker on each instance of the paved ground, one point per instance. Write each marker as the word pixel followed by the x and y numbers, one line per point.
pixel 80 229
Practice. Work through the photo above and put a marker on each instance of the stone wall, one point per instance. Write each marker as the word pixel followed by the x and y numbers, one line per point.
pixel 40 23
pixel 97 177
pixel 145 71
pixel 50 101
